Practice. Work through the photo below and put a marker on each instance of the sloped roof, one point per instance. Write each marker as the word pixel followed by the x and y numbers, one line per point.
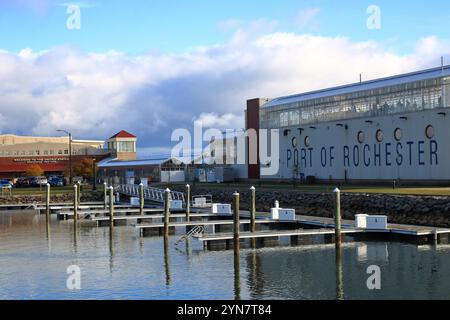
pixel 123 134
pixel 109 163
pixel 366 85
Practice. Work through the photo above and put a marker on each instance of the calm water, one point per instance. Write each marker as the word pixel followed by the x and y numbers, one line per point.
pixel 33 266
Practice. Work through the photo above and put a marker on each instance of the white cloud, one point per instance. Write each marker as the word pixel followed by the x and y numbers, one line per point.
pixel 96 94
pixel 223 121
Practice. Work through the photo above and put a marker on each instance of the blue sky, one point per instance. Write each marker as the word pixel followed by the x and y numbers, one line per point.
pixel 138 26
pixel 152 66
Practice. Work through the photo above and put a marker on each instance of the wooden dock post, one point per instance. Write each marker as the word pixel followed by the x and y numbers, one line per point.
pixel 47 212
pixel 75 205
pixel 337 217
pixel 105 194
pixel 188 203
pixel 166 212
pixel 252 209
pixel 47 203
pixel 236 223
pixel 141 198
pixel 111 208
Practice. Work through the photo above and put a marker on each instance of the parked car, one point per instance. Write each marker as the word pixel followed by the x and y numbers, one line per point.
pixel 5 184
pixel 38 181
pixel 22 183
pixel 56 181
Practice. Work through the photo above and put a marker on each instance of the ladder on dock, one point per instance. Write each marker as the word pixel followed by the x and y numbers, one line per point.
pixel 197 230
pixel 151 194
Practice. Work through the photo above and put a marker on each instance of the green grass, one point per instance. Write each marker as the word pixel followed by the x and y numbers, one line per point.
pixel 319 188
pixel 54 190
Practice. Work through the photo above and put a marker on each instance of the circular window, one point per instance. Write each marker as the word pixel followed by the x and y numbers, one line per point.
pixel 429 132
pixel 294 142
pixel 398 134
pixel 307 141
pixel 361 137
pixel 379 135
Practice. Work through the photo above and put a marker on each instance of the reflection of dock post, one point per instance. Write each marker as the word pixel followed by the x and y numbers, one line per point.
pixel 105 195
pixel 111 208
pixel 339 275
pixel 166 212
pixel 188 203
pixel 237 276
pixel 252 209
pixel 167 260
pixel 337 217
pixel 141 198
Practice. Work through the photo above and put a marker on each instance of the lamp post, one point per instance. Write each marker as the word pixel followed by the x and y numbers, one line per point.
pixel 70 153
pixel 94 185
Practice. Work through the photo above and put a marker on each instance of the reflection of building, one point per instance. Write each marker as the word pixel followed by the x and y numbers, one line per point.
pixel 385 129
pixel 17 153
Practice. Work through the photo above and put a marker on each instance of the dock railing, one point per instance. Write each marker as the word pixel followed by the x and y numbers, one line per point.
pixel 151 194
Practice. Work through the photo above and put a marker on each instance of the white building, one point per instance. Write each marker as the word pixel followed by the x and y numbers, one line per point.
pixel 391 128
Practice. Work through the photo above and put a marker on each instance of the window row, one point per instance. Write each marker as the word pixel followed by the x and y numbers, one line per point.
pixel 417 96
pixel 37 152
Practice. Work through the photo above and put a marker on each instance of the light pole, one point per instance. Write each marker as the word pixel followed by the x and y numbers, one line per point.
pixel 70 154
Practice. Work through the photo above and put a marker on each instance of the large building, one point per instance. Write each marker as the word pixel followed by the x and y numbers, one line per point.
pixel 381 130
pixel 52 154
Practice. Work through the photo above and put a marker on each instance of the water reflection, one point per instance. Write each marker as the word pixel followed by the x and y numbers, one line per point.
pixel 237 275
pixel 339 274
pixel 255 274
pixel 33 265
pixel 167 260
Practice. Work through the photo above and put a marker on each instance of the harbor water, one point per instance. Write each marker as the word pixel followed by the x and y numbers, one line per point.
pixel 34 265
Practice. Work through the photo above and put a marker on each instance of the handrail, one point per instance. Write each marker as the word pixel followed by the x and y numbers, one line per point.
pixel 152 194
pixel 196 230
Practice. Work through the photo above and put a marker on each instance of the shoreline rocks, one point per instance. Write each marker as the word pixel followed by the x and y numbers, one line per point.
pixel 417 210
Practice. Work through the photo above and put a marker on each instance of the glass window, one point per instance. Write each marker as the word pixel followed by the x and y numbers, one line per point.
pixel 126 146
pixel 414 96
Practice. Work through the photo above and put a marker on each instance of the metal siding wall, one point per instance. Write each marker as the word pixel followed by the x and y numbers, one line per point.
pixel 329 135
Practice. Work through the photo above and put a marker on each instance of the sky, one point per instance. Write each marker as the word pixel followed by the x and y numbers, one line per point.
pixel 153 66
